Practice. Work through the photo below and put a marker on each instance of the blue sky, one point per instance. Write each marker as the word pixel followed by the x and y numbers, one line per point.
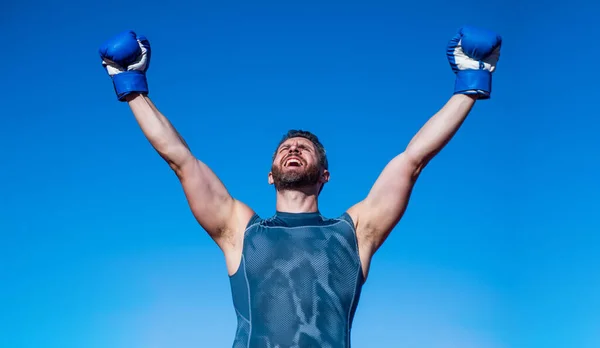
pixel 498 248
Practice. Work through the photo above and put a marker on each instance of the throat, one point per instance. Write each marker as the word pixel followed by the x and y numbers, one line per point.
pixel 297 201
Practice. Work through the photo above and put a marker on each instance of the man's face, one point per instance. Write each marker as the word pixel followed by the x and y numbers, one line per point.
pixel 296 165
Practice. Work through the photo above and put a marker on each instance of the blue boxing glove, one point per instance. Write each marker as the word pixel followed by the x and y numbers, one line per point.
pixel 473 54
pixel 126 58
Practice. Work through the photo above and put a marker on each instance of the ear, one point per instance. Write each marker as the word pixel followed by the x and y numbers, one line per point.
pixel 270 178
pixel 325 176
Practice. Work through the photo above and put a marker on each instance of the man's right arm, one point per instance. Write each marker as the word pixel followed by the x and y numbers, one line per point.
pixel 222 216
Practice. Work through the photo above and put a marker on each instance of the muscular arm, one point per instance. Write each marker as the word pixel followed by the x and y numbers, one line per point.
pixel 385 204
pixel 211 204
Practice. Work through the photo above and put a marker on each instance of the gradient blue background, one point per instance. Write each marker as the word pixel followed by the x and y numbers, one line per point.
pixel 498 248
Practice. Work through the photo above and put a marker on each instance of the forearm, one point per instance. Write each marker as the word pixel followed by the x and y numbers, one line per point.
pixel 159 131
pixel 440 128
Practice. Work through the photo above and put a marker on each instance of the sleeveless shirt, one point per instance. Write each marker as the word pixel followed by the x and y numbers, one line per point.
pixel 298 282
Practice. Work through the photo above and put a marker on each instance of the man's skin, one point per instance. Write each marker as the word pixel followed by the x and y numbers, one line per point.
pixel 225 219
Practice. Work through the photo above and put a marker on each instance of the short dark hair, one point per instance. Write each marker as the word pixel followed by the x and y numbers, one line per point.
pixel 295 133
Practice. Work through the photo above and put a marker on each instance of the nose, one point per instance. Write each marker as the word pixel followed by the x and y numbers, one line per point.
pixel 294 149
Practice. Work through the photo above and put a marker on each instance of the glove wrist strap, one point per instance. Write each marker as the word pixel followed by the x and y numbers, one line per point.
pixel 129 82
pixel 474 82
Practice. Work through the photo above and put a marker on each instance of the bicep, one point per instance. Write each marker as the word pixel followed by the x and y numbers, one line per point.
pixel 387 200
pixel 219 214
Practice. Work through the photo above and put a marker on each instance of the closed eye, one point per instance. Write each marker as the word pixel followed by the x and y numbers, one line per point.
pixel 300 146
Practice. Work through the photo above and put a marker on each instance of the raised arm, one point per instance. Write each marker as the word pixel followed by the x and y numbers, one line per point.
pixel 387 200
pixel 211 204
pixel 126 57
pixel 473 54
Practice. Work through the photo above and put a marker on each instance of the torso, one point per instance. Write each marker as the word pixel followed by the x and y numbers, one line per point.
pixel 298 282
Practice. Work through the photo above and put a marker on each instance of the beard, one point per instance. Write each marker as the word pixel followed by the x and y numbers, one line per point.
pixel 296 178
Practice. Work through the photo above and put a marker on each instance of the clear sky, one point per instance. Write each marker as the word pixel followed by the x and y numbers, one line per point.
pixel 499 245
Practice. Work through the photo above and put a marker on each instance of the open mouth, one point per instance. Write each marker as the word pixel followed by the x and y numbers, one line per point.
pixel 293 162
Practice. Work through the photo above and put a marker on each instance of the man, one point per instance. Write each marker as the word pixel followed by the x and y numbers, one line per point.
pixel 296 277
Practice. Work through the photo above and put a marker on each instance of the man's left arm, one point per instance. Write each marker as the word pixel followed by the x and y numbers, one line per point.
pixel 387 200
pixel 472 54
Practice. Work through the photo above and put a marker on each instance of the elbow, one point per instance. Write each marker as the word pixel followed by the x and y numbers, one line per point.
pixel 415 162
pixel 177 157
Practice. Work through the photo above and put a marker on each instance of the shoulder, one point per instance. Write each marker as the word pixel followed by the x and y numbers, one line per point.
pixel 353 213
pixel 254 219
pixel 346 218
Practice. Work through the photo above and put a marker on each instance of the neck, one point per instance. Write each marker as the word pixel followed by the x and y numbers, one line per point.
pixel 296 201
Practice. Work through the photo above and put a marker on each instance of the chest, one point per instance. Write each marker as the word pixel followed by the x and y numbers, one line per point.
pixel 323 253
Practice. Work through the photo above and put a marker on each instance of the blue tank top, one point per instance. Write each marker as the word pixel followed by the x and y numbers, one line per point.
pixel 298 283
